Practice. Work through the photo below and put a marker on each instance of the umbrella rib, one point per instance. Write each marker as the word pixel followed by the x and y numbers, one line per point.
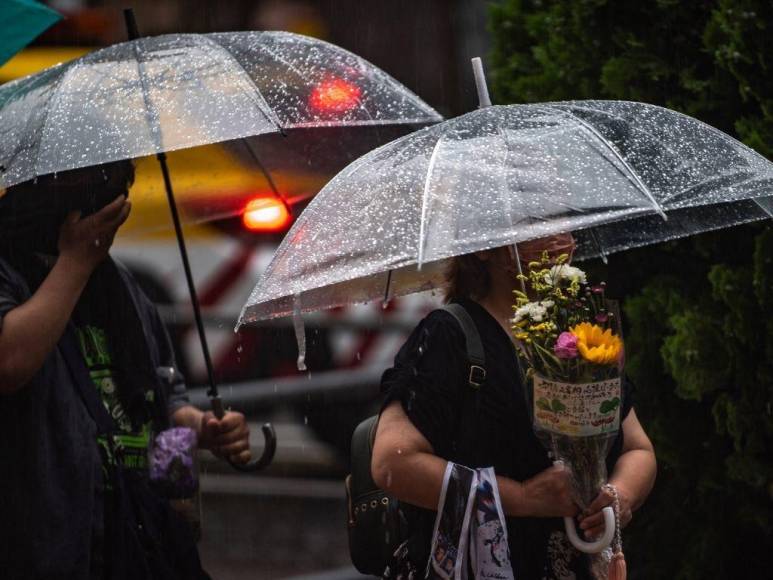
pixel 560 203
pixel 508 153
pixel 765 204
pixel 425 197
pixel 667 147
pixel 710 128
pixel 47 112
pixel 632 174
pixel 266 174
pixel 680 194
pixel 284 61
pixel 599 247
pixel 13 155
pixel 151 114
pixel 260 100
pixel 670 149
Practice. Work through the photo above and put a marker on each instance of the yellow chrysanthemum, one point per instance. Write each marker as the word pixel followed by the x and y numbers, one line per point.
pixel 597 345
pixel 542 327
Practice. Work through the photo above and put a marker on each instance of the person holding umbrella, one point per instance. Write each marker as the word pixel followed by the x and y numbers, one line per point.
pixel 78 337
pixel 618 174
pixel 419 429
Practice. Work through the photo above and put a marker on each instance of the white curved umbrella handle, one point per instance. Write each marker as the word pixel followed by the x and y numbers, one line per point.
pixel 598 545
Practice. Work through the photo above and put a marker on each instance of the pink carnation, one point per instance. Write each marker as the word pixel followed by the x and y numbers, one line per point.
pixel 566 345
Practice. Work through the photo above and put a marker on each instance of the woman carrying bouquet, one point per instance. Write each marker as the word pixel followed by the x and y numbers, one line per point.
pixel 419 432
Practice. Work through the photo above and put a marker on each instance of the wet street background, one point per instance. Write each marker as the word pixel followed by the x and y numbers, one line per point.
pixel 288 523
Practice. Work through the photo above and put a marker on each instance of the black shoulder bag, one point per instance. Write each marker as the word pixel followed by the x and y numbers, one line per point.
pixel 377 525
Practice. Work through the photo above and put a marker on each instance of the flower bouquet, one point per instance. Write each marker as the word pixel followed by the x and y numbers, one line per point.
pixel 569 346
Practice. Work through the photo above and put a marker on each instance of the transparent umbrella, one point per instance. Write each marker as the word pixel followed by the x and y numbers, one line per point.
pixel 154 95
pixel 164 93
pixel 620 174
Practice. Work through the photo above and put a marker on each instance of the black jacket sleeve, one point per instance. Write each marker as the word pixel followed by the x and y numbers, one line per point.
pixel 427 378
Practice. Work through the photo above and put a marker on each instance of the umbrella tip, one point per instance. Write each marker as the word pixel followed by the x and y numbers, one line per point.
pixel 131 23
pixel 480 83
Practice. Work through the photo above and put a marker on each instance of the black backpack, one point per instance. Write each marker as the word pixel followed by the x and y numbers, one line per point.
pixel 377 526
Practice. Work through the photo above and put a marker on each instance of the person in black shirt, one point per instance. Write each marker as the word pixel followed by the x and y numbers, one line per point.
pixel 59 288
pixel 419 431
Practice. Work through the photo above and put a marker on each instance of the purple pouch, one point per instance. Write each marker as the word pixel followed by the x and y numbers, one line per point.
pixel 173 464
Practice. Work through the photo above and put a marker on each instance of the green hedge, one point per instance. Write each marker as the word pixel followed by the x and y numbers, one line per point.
pixel 699 312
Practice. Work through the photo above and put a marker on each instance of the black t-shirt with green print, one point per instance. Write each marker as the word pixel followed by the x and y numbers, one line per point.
pixel 131 443
pixel 100 339
pixel 100 336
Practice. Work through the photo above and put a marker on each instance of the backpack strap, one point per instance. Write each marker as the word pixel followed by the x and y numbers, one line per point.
pixel 476 356
pixel 468 418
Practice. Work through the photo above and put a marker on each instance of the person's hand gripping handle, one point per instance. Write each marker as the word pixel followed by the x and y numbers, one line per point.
pixel 269 436
pixel 597 545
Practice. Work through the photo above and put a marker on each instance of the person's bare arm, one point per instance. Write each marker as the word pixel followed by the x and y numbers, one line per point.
pixel 31 330
pixel 635 470
pixel 633 476
pixel 404 465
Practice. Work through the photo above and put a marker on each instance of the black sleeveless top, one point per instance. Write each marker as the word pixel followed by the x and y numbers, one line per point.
pixel 429 377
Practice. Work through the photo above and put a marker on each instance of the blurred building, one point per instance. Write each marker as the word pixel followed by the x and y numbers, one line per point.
pixel 425 44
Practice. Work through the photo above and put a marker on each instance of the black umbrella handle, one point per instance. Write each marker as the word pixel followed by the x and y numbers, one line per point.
pixel 269 437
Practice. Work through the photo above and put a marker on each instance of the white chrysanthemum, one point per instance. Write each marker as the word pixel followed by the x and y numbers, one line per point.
pixel 534 311
pixel 565 272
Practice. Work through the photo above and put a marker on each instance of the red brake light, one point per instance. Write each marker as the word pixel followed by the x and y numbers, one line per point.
pixel 335 96
pixel 266 214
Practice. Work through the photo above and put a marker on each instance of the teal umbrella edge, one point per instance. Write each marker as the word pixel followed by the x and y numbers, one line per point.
pixel 22 22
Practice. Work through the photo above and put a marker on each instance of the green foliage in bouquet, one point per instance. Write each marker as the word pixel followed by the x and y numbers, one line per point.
pixel 699 312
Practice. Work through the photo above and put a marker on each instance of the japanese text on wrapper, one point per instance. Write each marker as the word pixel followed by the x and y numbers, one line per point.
pixel 579 409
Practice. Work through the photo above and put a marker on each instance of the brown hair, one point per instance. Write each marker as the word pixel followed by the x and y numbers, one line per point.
pixel 466 276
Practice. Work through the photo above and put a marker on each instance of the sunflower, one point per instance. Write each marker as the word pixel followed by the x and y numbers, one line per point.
pixel 596 344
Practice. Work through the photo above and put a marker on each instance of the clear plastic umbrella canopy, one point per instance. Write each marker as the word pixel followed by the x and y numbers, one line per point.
pixel 171 92
pixel 167 93
pixel 621 172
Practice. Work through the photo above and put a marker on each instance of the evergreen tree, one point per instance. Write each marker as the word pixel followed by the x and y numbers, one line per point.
pixel 699 312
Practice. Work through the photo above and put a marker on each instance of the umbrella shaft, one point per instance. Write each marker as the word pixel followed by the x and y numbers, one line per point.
pixel 188 275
